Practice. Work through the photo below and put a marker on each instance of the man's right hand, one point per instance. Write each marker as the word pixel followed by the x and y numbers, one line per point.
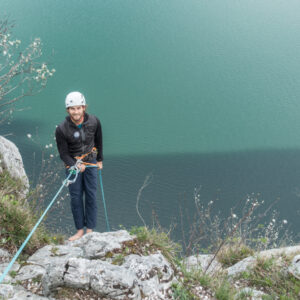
pixel 81 167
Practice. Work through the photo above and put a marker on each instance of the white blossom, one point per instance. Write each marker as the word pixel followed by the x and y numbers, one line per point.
pixel 29 135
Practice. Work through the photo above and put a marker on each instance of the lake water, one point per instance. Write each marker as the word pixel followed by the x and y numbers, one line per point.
pixel 197 93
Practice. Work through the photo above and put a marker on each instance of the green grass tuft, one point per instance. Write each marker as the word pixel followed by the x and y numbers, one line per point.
pixel 154 239
pixel 17 219
pixel 271 275
pixel 233 251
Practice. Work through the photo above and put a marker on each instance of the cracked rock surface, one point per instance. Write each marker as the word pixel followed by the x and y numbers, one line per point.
pixel 113 266
pixel 88 264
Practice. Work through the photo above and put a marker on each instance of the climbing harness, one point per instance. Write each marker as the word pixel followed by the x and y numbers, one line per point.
pixel 74 170
pixel 93 151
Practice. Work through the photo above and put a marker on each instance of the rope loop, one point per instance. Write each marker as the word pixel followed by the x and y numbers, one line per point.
pixel 74 170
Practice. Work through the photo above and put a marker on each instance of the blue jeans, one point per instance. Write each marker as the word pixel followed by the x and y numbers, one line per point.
pixel 84 212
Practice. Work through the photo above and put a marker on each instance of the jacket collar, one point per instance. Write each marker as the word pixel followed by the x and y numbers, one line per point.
pixel 86 117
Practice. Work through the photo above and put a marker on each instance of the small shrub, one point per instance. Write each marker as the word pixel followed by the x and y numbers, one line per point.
pixel 271 275
pixel 13 274
pixel 118 260
pixel 180 292
pixel 245 295
pixel 209 230
pixel 154 239
pixel 232 252
pixel 54 251
pixel 267 297
pixel 9 185
pixel 17 219
pixel 224 291
pixel 204 280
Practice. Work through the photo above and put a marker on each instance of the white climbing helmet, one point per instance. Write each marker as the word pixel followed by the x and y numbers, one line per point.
pixel 74 99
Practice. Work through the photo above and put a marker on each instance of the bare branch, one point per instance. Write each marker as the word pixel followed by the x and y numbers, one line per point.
pixel 231 233
pixel 145 184
pixel 21 73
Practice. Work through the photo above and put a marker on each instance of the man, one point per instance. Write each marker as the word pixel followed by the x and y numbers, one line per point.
pixel 79 136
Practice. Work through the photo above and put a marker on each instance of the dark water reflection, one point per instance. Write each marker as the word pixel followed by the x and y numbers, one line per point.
pixel 225 178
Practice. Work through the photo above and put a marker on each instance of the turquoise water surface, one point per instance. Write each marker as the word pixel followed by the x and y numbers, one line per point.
pixel 198 93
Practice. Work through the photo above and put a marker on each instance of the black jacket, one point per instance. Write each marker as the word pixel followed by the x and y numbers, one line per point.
pixel 74 141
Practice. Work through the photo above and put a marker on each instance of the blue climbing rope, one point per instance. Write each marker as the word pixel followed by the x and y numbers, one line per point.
pixel 66 181
pixel 101 184
pixel 103 198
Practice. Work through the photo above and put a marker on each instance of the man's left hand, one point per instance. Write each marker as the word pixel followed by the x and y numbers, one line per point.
pixel 100 165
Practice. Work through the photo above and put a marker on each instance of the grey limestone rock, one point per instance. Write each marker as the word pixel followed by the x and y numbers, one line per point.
pixel 115 282
pixel 54 260
pixel 97 245
pixel 21 294
pixel 146 267
pixel 292 250
pixel 201 262
pixel 155 274
pixel 30 272
pixel 104 278
pixel 6 291
pixel 53 278
pixel 10 292
pixel 241 266
pixel 8 278
pixel 294 268
pixel 152 275
pixel 11 160
pixel 54 255
pixel 250 261
pixel 4 256
pixel 78 272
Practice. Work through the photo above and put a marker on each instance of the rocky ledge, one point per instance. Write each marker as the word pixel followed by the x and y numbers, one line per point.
pixel 97 262
pixel 111 266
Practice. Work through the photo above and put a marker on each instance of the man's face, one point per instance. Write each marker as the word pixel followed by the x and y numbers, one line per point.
pixel 76 112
